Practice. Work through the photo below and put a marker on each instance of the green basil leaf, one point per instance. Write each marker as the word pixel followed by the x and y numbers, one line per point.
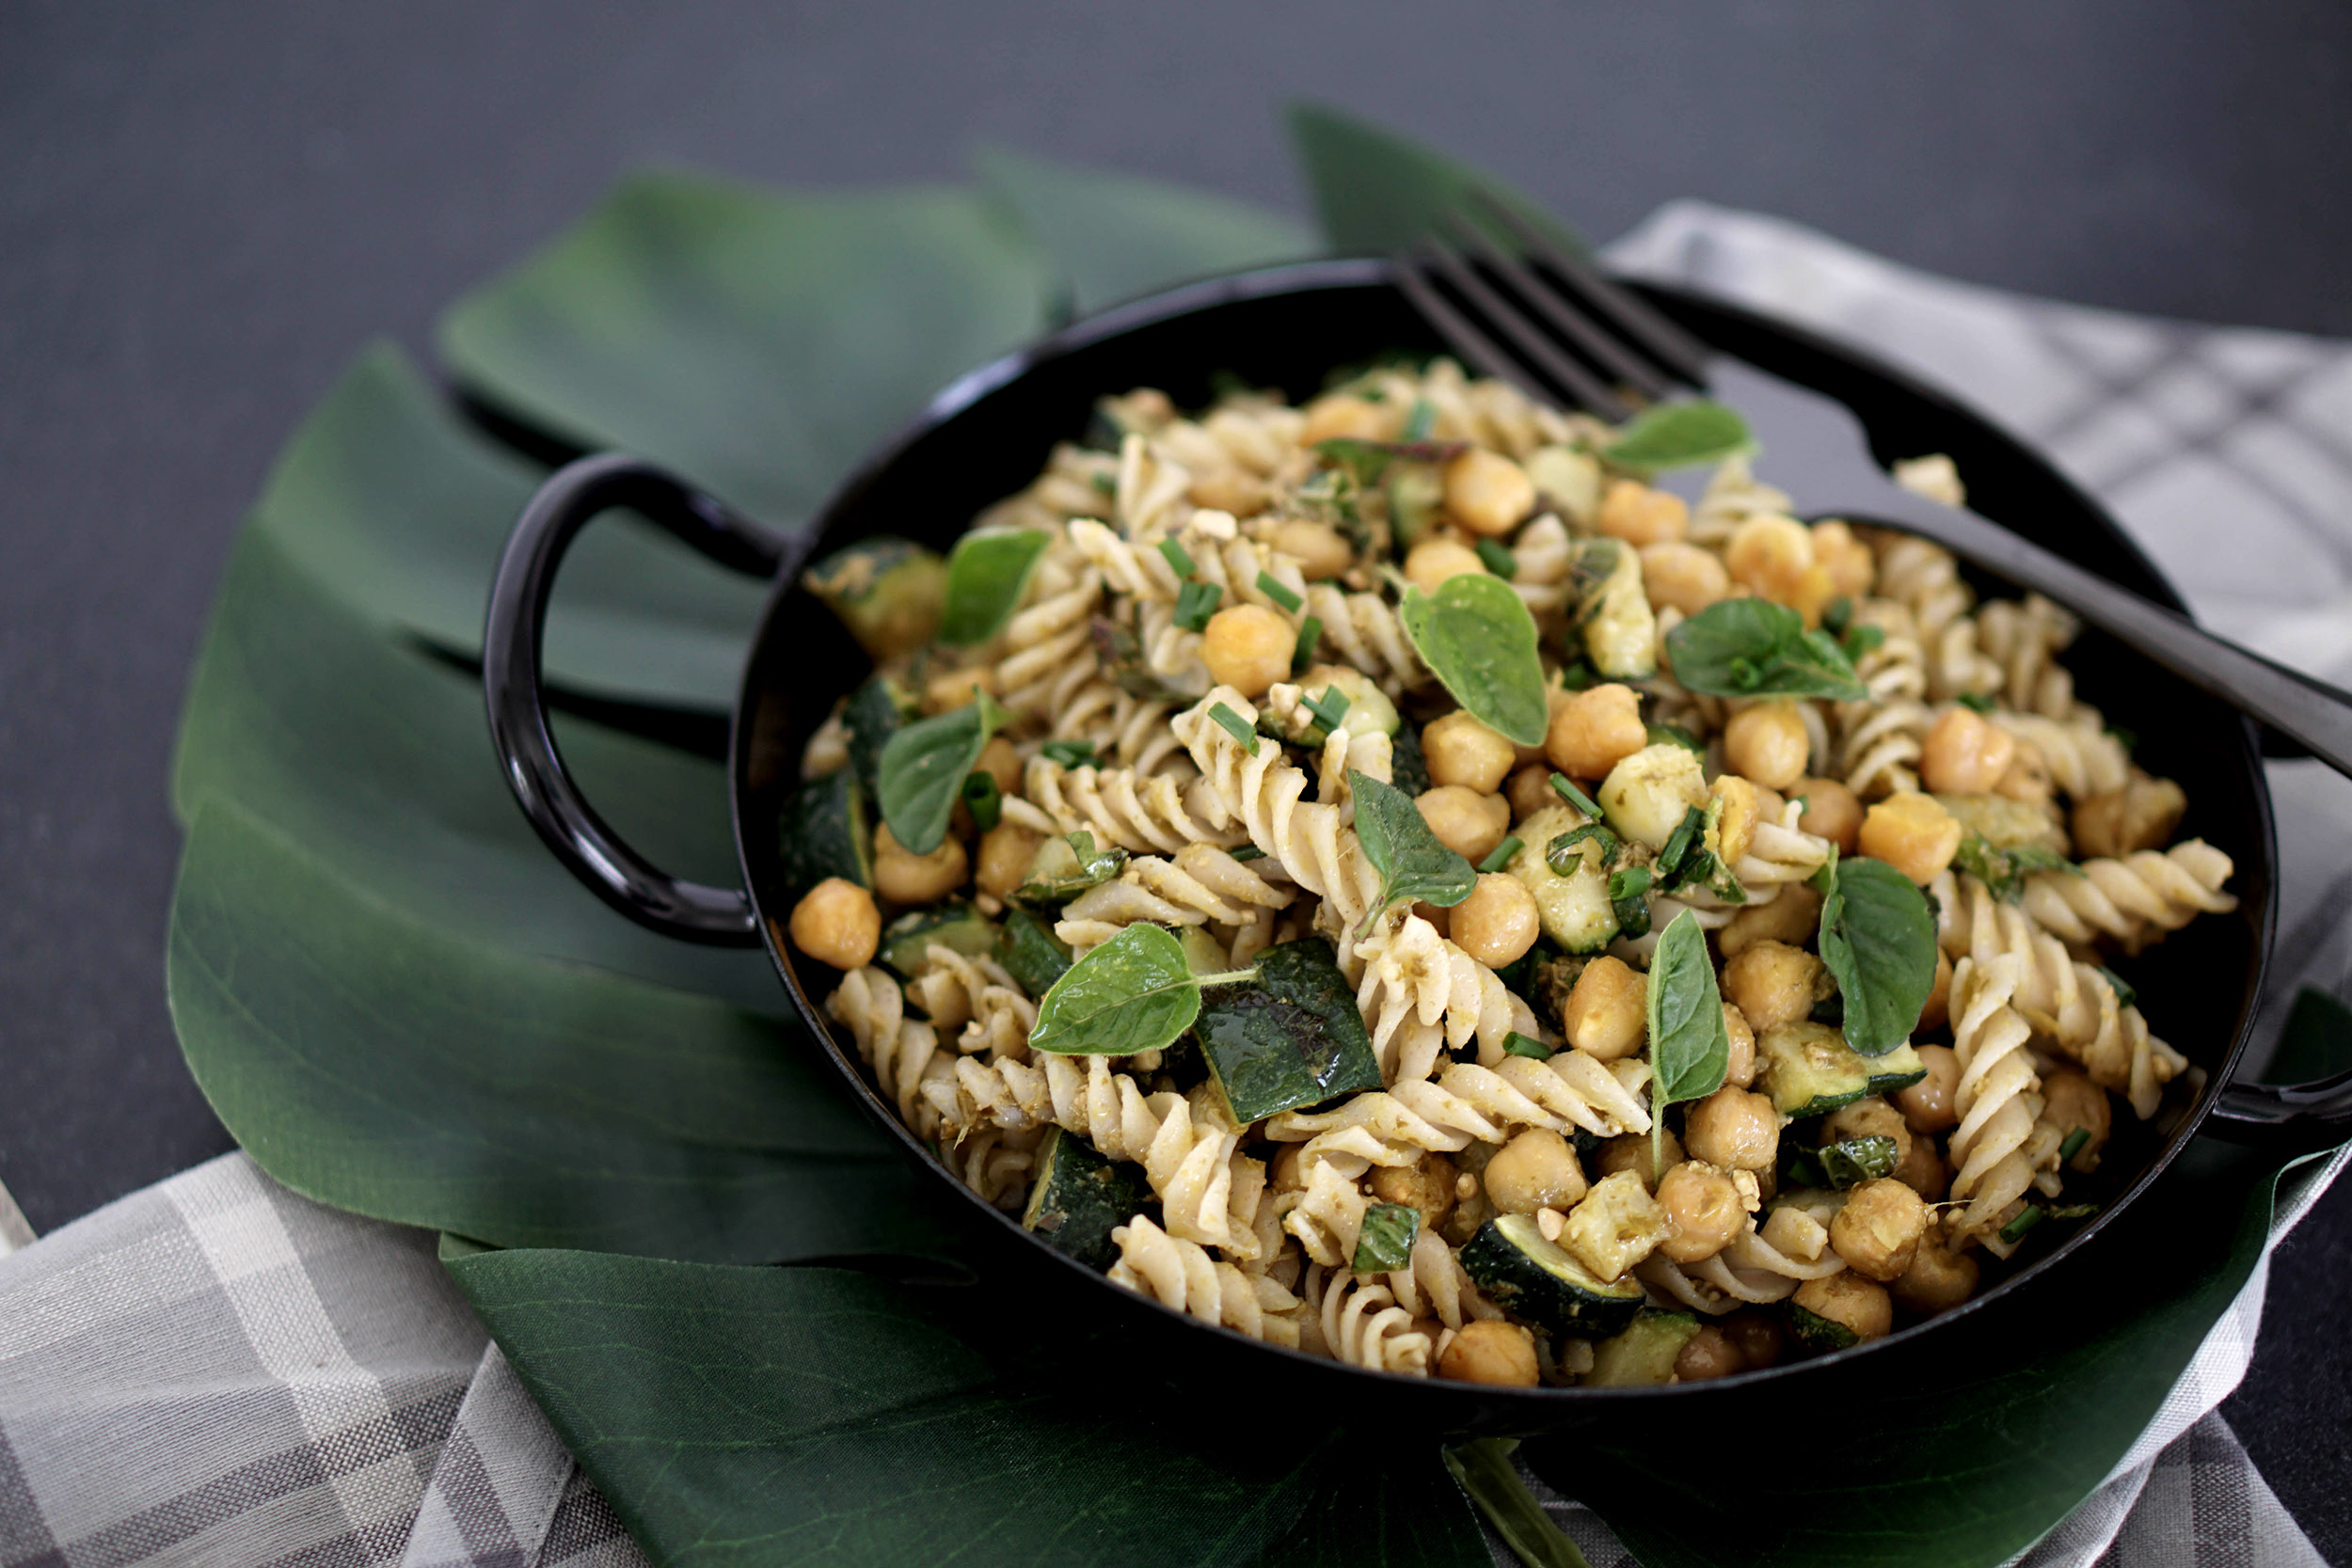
pixel 1030 951
pixel 1689 1047
pixel 1385 1241
pixel 2125 992
pixel 1478 638
pixel 1134 992
pixel 1879 941
pixel 1378 193
pixel 1413 865
pixel 1677 435
pixel 924 764
pixel 1847 1162
pixel 1755 648
pixel 1675 734
pixel 2003 870
pixel 985 576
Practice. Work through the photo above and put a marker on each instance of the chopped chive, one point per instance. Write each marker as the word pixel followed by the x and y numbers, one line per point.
pixel 1272 587
pixel 1069 753
pixel 1107 483
pixel 1329 706
pixel 1178 557
pixel 1632 882
pixel 2074 1210
pixel 1574 796
pixel 1564 857
pixel 984 800
pixel 1422 420
pixel 1303 653
pixel 1678 843
pixel 2028 1217
pixel 1234 724
pixel 1502 854
pixel 1976 702
pixel 1499 559
pixel 1517 1044
pixel 1248 852
pixel 1862 639
pixel 1195 603
pixel 2074 1145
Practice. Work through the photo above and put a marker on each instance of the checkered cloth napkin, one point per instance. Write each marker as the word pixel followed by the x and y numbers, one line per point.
pixel 215 1371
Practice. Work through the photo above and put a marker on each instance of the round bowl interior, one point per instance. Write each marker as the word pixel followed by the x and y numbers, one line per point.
pixel 990 434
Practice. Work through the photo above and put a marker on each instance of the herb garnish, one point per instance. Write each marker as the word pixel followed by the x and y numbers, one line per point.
pixel 1755 648
pixel 1673 734
pixel 983 800
pixel 1564 857
pixel 2074 1144
pixel 1517 1044
pixel 1573 796
pixel 1414 866
pixel 1275 589
pixel 1878 940
pixel 986 573
pixel 1689 1050
pixel 2004 871
pixel 1846 1164
pixel 1975 701
pixel 1134 992
pixel 1628 898
pixel 923 766
pixel 1479 640
pixel 1499 559
pixel 1499 856
pixel 1677 435
pixel 1422 420
pixel 1235 725
pixel 2125 992
pixel 1069 753
pixel 1329 707
pixel 1178 558
pixel 1303 651
pixel 1385 1242
pixel 1195 603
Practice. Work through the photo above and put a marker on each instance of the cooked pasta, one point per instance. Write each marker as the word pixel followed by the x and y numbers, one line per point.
pixel 1206 684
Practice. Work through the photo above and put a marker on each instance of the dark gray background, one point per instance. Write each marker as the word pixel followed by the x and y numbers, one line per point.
pixel 205 212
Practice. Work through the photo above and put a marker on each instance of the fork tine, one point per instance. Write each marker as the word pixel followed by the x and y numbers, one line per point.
pixel 1657 337
pixel 1465 339
pixel 1573 324
pixel 1524 336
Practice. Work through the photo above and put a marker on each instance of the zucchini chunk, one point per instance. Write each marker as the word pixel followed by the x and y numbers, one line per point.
pixel 889 593
pixel 1644 1353
pixel 823 831
pixel 1574 910
pixel 1522 1273
pixel 1079 1197
pixel 1619 628
pixel 1808 1069
pixel 1030 951
pixel 1814 1331
pixel 1898 1069
pixel 1288 1039
pixel 870 718
pixel 956 926
pixel 1416 492
pixel 1570 481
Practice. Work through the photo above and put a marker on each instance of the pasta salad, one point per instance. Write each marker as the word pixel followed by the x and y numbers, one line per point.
pixel 1388 878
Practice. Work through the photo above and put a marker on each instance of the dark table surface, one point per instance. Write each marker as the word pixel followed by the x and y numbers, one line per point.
pixel 205 212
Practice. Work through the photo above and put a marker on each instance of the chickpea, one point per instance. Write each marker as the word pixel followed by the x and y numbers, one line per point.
pixel 1434 560
pixel 1773 982
pixel 1702 1212
pixel 1791 918
pixel 1638 514
pixel 944 690
pixel 1912 834
pixel 1771 555
pixel 1320 550
pixel 1631 1152
pixel 2075 1101
pixel 1845 557
pixel 1007 852
pixel 1964 754
pixel 1682 576
pixel 835 923
pixel 1595 730
pixel 999 761
pixel 1235 491
pixel 1607 1016
pixel 1707 1354
pixel 1496 924
pixel 1556 696
pixel 1487 493
pixel 1924 1172
pixel 1426 1185
pixel 2140 815
pixel 1249 647
pixel 1288 1172
pixel 1857 1305
pixel 1740 1062
pixel 1931 1104
pixel 1536 1169
pixel 1732 1129
pixel 1938 1279
pixel 1758 1339
pixel 1491 1349
pixel 1879 1229
pixel 906 877
pixel 1831 811
pixel 1529 792
pixel 1871 1117
pixel 1466 822
pixel 1343 415
pixel 1936 1009
pixel 1767 743
pixel 1459 749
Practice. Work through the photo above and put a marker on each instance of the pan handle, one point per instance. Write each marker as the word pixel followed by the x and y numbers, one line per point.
pixel 2284 1119
pixel 513 689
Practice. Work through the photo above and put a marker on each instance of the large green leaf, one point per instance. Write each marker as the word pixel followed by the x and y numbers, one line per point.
pixel 381 1065
pixel 814 1415
pixel 1378 192
pixel 1112 237
pixel 758 342
pixel 392 502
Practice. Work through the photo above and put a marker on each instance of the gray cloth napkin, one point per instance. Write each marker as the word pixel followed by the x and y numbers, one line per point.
pixel 215 1371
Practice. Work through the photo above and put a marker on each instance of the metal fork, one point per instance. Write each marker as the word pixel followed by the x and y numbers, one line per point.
pixel 1560 329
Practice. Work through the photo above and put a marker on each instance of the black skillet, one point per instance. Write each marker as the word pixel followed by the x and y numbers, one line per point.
pixel 989 433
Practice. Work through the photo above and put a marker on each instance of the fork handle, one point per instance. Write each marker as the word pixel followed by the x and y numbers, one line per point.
pixel 2316 715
